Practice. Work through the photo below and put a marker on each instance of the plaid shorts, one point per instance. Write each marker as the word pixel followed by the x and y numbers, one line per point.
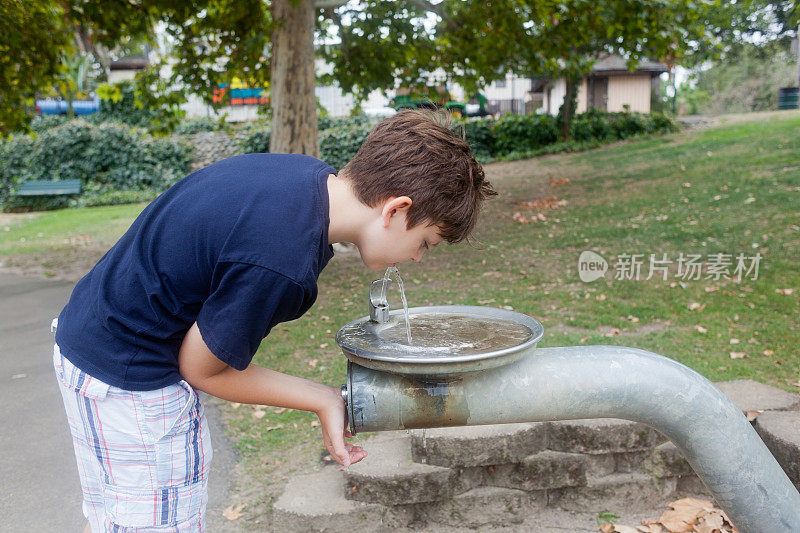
pixel 143 456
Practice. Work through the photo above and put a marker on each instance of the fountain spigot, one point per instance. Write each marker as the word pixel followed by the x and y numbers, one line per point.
pixel 378 303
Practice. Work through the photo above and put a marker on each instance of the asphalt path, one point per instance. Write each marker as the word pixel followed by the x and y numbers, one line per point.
pixel 40 487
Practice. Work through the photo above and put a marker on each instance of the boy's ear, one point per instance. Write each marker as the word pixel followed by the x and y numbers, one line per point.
pixel 393 207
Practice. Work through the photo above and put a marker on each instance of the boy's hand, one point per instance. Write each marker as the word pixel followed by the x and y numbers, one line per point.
pixel 333 419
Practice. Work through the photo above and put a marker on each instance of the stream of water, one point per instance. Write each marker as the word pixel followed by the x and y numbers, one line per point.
pixel 387 276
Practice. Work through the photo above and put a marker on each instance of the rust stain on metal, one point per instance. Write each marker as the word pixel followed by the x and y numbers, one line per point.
pixel 438 401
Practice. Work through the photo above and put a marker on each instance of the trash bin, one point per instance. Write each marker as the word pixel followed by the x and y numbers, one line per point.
pixel 788 97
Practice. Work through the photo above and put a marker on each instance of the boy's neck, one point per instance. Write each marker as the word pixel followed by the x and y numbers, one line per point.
pixel 348 216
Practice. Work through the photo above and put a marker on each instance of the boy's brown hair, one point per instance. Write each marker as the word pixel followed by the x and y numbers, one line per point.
pixel 416 154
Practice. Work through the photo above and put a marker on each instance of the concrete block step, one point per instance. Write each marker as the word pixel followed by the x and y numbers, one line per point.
pixel 621 491
pixel 389 476
pixel 482 507
pixel 478 445
pixel 316 502
pixel 780 431
pixel 750 395
pixel 601 436
pixel 544 470
pixel 668 461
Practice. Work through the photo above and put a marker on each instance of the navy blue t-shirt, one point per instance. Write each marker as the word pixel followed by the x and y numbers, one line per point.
pixel 237 246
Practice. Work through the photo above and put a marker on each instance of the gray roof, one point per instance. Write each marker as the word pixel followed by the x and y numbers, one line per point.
pixel 612 63
pixel 134 62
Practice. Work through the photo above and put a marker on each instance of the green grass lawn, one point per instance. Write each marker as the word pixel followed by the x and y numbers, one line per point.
pixel 732 189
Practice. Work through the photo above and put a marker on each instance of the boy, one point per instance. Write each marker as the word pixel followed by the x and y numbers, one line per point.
pixel 183 300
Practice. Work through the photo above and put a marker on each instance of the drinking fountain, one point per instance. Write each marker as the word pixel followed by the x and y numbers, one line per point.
pixel 472 365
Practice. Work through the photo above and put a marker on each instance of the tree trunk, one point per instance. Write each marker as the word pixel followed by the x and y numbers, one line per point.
pixel 567 110
pixel 292 98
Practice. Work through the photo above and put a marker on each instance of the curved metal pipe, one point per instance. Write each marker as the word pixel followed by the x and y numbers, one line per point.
pixel 597 382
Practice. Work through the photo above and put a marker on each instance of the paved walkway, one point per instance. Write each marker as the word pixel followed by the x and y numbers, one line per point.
pixel 37 465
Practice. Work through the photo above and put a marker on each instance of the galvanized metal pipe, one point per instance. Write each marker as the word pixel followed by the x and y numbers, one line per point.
pixel 597 382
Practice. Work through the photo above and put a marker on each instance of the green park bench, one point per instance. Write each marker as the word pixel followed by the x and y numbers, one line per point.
pixel 49 188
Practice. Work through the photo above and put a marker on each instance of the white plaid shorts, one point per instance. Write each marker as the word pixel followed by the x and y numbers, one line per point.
pixel 143 456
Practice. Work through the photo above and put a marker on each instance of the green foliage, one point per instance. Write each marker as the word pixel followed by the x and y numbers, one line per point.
pixel 257 141
pixel 120 105
pixel 522 132
pixel 196 125
pixel 32 37
pixel 747 79
pixel 606 517
pixel 339 138
pixel 339 143
pixel 41 123
pixel 107 158
pixel 479 137
pixel 521 136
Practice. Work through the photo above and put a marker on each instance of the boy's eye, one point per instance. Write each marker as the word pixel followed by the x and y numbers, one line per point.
pixel 426 244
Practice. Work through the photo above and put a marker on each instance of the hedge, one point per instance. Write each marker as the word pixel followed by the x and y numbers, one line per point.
pixel 108 158
pixel 339 139
pixel 119 164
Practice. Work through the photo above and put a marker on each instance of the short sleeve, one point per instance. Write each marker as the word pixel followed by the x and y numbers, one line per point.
pixel 246 301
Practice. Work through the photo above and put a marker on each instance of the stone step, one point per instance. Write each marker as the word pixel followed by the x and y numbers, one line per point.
pixel 750 395
pixel 544 470
pixel 625 491
pixel 316 502
pixel 780 431
pixel 478 445
pixel 388 475
pixel 601 436
pixel 483 506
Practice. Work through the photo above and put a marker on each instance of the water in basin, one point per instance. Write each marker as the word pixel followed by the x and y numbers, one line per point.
pixel 437 334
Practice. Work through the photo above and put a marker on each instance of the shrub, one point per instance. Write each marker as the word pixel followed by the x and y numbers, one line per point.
pixel 523 132
pixel 257 141
pixel 107 158
pixel 122 107
pixel 479 137
pixel 338 144
pixel 196 125
pixel 517 136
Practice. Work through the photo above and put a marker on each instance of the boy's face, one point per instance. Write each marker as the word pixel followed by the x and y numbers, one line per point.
pixel 386 240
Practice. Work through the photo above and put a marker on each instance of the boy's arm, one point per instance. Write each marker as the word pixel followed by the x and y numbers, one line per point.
pixel 258 385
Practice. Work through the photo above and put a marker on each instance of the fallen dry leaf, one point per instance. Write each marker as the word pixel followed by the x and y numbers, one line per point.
pixel 584 339
pixel 323 345
pixel 633 318
pixel 768 352
pixel 751 305
pixel 314 423
pixel 259 413
pixel 650 527
pixel 236 405
pixel 614 332
pixel 606 528
pixel 313 363
pixel 551 202
pixel 600 297
pixel 738 355
pixel 734 341
pixel 619 528
pixel 270 428
pixel 752 414
pixel 233 512
pixel 711 289
pixel 785 292
pixel 700 329
pixel 695 306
